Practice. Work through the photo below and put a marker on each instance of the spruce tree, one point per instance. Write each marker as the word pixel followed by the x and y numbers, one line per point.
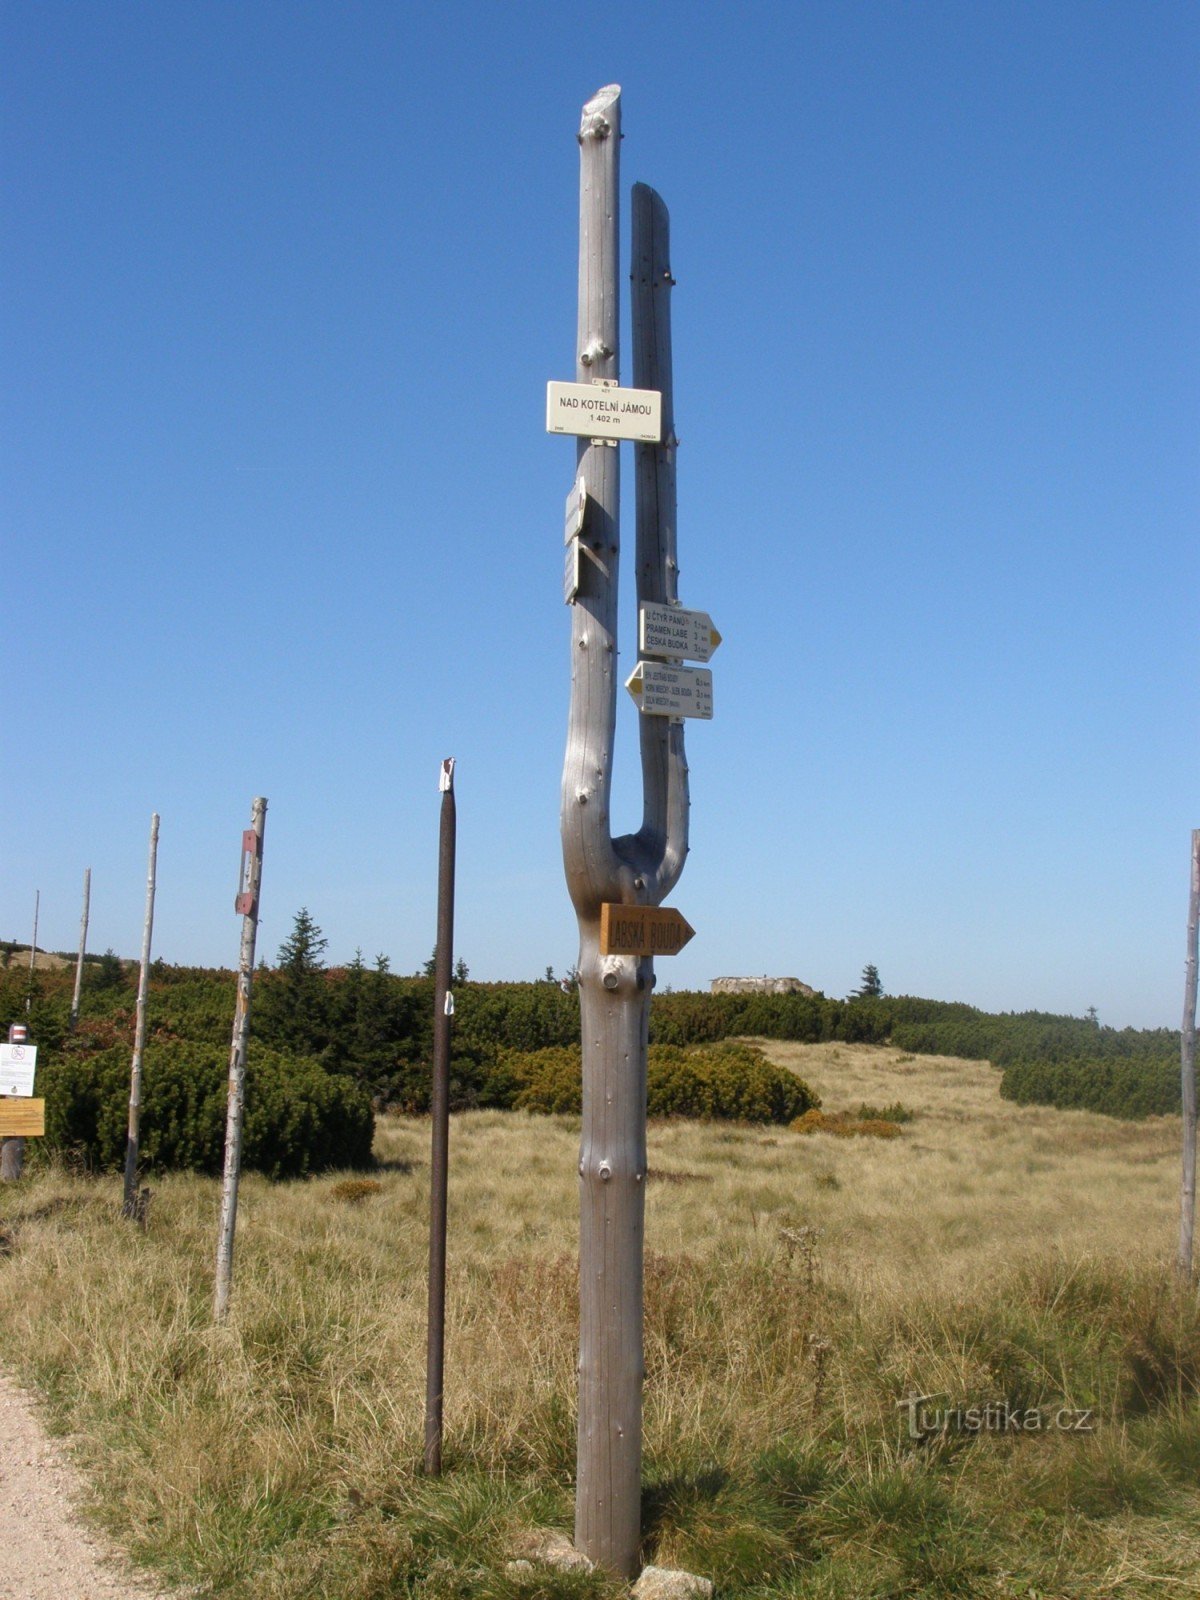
pixel 869 987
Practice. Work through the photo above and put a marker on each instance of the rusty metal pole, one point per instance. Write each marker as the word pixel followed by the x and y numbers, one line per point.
pixel 443 1010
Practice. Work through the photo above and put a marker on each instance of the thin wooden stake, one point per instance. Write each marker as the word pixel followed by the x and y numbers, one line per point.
pixel 443 1008
pixel 1187 1061
pixel 83 929
pixel 247 903
pixel 129 1204
pixel 37 906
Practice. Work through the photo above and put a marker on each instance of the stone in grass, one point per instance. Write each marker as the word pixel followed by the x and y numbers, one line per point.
pixel 552 1549
pixel 666 1583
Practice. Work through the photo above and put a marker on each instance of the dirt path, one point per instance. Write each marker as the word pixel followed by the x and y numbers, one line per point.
pixel 46 1552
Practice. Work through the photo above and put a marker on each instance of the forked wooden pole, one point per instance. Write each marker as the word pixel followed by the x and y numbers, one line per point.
pixel 1187 1059
pixel 635 869
pixel 247 903
pixel 129 1202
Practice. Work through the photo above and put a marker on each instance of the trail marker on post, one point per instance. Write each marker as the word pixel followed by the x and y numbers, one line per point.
pixel 668 691
pixel 676 634
pixel 600 410
pixel 643 931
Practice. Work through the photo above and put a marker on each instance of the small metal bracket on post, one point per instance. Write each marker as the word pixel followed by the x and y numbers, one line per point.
pixel 446 780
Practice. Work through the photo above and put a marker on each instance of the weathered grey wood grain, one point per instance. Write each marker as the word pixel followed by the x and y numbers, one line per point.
pixel 632 869
pixel 663 838
pixel 236 1102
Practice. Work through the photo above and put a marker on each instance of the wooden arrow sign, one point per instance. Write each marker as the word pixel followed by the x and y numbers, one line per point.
pixel 643 931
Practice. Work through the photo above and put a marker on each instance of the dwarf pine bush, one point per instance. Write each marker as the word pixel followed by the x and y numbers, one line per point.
pixel 1119 1088
pixel 730 1081
pixel 299 1118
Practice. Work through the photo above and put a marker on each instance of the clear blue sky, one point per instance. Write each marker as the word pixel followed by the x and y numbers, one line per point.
pixel 282 288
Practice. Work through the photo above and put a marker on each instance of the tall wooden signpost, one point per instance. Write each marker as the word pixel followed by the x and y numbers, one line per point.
pixel 615 882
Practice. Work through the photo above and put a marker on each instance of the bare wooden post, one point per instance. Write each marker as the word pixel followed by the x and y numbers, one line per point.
pixel 638 868
pixel 440 1116
pixel 249 888
pixel 83 927
pixel 1187 1056
pixel 37 906
pixel 129 1204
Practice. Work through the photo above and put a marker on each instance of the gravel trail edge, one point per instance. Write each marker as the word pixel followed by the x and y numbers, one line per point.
pixel 47 1551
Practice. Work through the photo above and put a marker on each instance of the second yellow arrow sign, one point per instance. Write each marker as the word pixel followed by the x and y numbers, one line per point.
pixel 642 931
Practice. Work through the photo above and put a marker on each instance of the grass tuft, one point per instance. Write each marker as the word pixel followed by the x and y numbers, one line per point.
pixel 279 1457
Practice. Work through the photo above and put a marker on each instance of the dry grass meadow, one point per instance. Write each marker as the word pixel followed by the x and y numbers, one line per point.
pixel 799 1287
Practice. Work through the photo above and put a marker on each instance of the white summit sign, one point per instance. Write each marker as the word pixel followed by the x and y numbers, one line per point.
pixel 666 691
pixel 603 411
pixel 674 633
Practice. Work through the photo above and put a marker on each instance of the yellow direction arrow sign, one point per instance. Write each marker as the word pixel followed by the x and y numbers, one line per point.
pixel 642 931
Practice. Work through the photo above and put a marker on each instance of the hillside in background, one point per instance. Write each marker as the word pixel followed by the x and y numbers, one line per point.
pixel 375 1027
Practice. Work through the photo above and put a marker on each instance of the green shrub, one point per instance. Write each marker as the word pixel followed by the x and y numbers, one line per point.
pixel 734 1081
pixel 298 1119
pixel 1130 1088
pixel 890 1113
